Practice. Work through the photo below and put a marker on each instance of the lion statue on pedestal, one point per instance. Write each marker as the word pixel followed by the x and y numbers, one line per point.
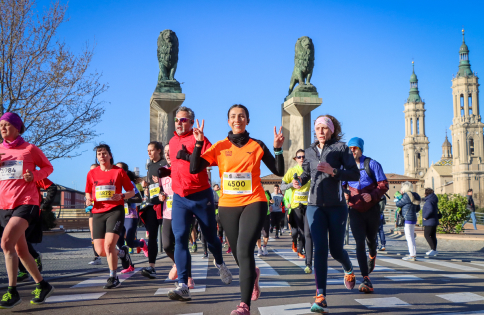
pixel 167 55
pixel 303 63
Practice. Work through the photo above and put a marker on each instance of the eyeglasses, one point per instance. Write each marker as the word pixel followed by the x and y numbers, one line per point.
pixel 182 120
pixel 300 157
pixel 354 148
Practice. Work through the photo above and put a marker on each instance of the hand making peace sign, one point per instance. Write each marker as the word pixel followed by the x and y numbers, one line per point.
pixel 198 132
pixel 278 138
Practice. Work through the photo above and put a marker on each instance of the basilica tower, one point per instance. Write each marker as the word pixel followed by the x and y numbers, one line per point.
pixel 415 143
pixel 467 129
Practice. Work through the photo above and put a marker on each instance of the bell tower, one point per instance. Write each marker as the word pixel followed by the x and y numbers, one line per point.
pixel 467 128
pixel 415 143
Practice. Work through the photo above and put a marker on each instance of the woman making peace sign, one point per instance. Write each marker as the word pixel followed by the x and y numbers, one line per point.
pixel 242 204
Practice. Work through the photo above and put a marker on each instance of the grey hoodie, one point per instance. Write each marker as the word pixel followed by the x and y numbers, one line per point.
pixel 326 190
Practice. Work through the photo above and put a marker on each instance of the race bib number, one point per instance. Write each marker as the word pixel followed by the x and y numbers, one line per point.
pixel 301 197
pixel 105 192
pixel 126 209
pixel 154 190
pixel 237 183
pixel 11 170
pixel 169 202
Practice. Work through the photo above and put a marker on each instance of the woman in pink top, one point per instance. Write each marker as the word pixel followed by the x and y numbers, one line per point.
pixel 19 204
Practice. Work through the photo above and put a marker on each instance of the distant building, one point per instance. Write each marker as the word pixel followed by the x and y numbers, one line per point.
pixel 67 198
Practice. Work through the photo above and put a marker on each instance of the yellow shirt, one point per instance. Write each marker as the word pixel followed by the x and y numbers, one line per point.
pixel 298 195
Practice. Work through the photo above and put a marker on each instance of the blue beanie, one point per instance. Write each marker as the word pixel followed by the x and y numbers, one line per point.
pixel 356 142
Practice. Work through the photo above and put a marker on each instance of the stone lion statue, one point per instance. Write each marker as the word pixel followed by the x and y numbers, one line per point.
pixel 303 63
pixel 167 55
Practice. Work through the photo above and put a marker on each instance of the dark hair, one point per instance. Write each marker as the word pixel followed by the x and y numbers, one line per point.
pixel 100 147
pixel 470 190
pixel 337 134
pixel 428 191
pixel 276 185
pixel 158 146
pixel 239 106
pixel 300 150
pixel 216 185
pixel 132 176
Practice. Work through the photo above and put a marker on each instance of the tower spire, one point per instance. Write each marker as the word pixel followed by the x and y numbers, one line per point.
pixel 414 95
pixel 464 64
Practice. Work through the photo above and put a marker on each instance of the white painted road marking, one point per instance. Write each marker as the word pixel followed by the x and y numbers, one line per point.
pixel 292 257
pixel 404 278
pixel 198 289
pixel 458 276
pixel 377 267
pixel 289 309
pixel 382 302
pixel 410 265
pixel 265 269
pixel 273 284
pixel 199 268
pixel 463 297
pixel 101 280
pixel 452 265
pixel 74 297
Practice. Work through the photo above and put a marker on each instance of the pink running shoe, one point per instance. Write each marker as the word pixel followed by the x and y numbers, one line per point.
pixel 256 291
pixel 229 251
pixel 144 248
pixel 242 309
pixel 130 269
pixel 191 283
pixel 173 273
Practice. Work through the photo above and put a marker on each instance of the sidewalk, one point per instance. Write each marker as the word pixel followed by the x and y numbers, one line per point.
pixel 469 234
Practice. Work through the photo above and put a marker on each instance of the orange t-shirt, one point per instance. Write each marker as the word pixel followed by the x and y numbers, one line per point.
pixel 239 170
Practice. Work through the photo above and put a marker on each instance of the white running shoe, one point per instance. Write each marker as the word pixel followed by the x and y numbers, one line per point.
pixel 180 293
pixel 259 252
pixel 225 274
pixel 96 261
pixel 264 251
pixel 432 253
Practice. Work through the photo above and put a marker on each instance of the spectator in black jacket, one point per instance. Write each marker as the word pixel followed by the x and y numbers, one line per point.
pixel 430 215
pixel 472 207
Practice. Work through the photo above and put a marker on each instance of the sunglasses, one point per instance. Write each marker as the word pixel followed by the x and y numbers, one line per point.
pixel 300 157
pixel 354 148
pixel 182 120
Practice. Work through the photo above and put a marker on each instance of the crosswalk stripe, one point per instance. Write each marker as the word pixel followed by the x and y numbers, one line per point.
pixel 101 280
pixel 404 278
pixel 265 269
pixel 451 265
pixel 382 302
pixel 462 297
pixel 478 264
pixel 199 268
pixel 378 268
pixel 274 284
pixel 193 314
pixel 407 264
pixel 289 309
pixel 292 257
pixel 464 313
pixel 74 297
pixel 458 276
pixel 198 289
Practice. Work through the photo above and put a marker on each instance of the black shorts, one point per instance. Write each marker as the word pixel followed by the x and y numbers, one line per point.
pixel 30 213
pixel 111 221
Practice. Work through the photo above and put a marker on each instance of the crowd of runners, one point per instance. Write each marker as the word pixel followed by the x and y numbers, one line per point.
pixel 329 182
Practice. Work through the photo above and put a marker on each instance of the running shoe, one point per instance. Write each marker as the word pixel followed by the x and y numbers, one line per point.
pixel 432 253
pixel 41 293
pixel 224 272
pixel 112 283
pixel 38 261
pixel 242 309
pixel 191 283
pixel 256 290
pixel 366 286
pixel 410 258
pixel 277 236
pixel 126 258
pixel 229 251
pixel 350 280
pixel 194 248
pixel 302 256
pixel 294 248
pixel 264 251
pixel 173 273
pixel 149 272
pixel 259 252
pixel 145 247
pixel 382 248
pixel 205 255
pixel 371 263
pixel 129 269
pixel 320 306
pixel 180 293
pixel 22 276
pixel 10 299
pixel 96 261
pixel 308 269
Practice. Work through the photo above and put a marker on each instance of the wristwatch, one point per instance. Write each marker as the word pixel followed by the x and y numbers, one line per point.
pixel 123 196
pixel 335 171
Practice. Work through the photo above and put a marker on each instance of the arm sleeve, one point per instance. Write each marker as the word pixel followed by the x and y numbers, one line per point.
pixel 350 173
pixel 126 182
pixel 198 163
pixel 42 162
pixel 137 197
pixel 286 182
pixel 49 198
pixel 306 175
pixel 275 165
pixel 382 183
pixel 403 201
pixel 89 184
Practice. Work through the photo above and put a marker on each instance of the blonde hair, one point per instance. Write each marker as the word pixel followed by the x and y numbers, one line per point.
pixel 406 187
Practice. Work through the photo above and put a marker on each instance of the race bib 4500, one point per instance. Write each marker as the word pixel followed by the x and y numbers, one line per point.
pixel 237 183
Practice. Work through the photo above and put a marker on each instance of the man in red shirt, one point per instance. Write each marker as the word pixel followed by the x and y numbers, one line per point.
pixel 192 196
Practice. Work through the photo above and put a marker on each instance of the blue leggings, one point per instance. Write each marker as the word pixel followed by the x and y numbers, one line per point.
pixel 130 227
pixel 321 221
pixel 201 205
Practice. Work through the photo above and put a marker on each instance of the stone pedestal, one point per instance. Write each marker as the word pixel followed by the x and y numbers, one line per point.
pixel 297 124
pixel 163 108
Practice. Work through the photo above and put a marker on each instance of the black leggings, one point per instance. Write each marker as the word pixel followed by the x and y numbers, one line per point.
pixel 220 227
pixel 242 228
pixel 305 232
pixel 430 233
pixel 365 226
pixel 168 239
pixel 151 224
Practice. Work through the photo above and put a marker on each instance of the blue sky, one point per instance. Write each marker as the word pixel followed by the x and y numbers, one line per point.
pixel 243 53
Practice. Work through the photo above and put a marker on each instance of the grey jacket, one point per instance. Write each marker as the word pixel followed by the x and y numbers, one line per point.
pixel 325 189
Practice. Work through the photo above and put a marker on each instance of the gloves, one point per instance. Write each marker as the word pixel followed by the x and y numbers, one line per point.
pixel 183 154
pixel 164 172
pixel 88 209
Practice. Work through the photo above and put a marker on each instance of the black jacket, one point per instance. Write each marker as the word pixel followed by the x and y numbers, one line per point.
pixel 430 210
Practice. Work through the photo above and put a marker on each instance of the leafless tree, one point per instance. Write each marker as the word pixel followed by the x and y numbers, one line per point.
pixel 50 87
